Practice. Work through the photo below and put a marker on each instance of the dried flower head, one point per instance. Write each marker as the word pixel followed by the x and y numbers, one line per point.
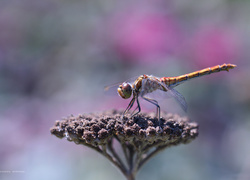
pixel 140 137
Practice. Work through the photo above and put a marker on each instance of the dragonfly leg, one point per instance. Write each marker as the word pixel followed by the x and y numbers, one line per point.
pixel 138 107
pixel 155 103
pixel 135 110
pixel 130 105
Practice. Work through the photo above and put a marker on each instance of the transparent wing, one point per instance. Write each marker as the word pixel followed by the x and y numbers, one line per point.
pixel 163 92
pixel 112 89
pixel 179 98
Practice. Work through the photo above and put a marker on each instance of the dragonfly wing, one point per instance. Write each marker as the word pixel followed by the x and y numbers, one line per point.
pixel 179 98
pixel 143 87
pixel 112 89
pixel 168 93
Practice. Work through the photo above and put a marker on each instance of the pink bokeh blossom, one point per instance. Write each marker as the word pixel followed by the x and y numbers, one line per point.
pixel 212 46
pixel 142 36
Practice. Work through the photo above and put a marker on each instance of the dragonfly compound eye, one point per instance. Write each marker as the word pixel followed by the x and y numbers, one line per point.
pixel 125 90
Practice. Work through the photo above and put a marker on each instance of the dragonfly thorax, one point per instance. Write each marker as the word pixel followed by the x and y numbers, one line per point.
pixel 125 90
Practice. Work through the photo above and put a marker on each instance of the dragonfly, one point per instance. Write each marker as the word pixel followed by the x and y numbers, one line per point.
pixel 146 84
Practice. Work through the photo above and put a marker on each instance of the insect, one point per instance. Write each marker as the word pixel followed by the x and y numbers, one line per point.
pixel 146 84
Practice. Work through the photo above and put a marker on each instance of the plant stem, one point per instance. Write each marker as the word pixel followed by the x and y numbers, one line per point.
pixel 130 176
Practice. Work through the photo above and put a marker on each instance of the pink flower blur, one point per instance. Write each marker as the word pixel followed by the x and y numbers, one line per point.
pixel 213 46
pixel 142 36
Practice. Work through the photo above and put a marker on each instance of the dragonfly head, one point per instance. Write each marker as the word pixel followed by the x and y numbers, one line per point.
pixel 125 90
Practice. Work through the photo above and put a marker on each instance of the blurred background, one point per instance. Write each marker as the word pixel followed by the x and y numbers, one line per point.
pixel 57 56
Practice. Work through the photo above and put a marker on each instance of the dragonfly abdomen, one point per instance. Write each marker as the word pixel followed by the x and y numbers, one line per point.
pixel 174 81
